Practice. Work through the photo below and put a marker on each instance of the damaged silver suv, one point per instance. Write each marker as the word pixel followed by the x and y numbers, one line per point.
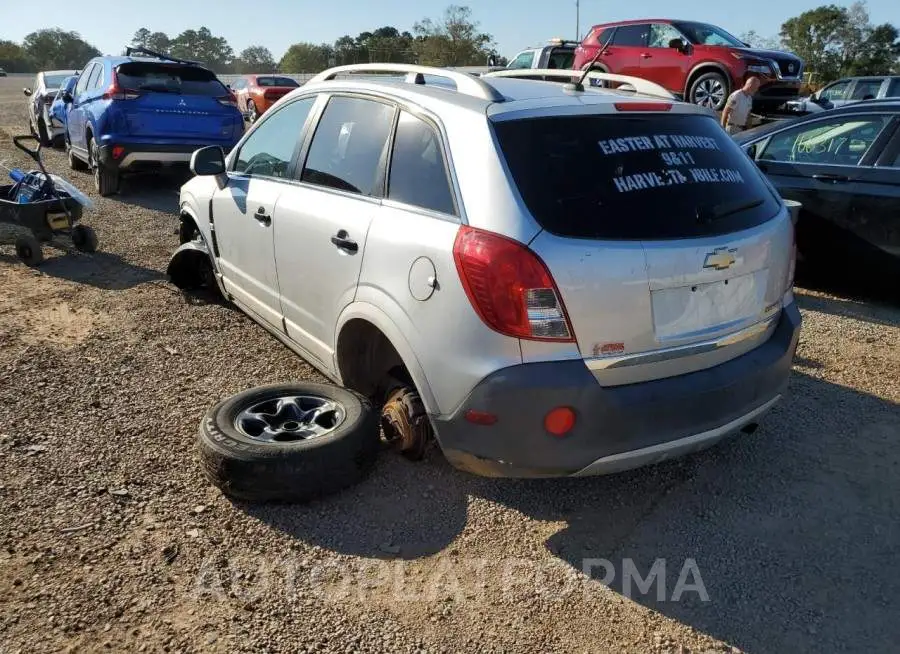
pixel 552 279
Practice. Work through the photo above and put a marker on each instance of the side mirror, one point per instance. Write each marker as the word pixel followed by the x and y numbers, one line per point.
pixel 67 97
pixel 208 161
pixel 678 44
pixel 27 92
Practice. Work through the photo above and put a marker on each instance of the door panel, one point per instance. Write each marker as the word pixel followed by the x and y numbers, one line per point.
pixel 660 63
pixel 623 56
pixel 322 223
pixel 243 220
pixel 318 275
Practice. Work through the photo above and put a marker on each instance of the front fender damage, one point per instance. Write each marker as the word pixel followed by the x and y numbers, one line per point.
pixel 191 268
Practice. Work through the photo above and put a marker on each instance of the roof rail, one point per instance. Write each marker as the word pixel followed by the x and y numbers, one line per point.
pixel 139 49
pixel 639 85
pixel 415 74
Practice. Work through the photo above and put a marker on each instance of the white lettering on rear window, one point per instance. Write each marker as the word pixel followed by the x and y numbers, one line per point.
pixel 680 166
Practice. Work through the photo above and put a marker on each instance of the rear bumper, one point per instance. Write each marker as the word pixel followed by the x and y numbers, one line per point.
pixel 144 156
pixel 617 428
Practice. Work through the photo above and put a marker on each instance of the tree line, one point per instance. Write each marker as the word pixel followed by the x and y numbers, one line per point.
pixel 452 40
pixel 837 42
pixel 834 42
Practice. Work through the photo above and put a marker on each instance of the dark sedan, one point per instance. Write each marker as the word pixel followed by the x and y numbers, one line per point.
pixel 843 165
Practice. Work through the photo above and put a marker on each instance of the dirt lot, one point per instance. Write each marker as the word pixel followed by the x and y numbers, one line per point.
pixel 111 540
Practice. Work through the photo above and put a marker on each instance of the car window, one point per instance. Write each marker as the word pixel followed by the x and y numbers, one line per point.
pixel 661 34
pixel 54 81
pixel 866 89
pixel 522 60
pixel 837 91
pixel 705 34
pixel 561 58
pixel 268 151
pixel 169 78
pixel 894 88
pixel 604 35
pixel 347 151
pixel 275 81
pixel 633 177
pixel 96 80
pixel 632 35
pixel 839 141
pixel 83 80
pixel 238 85
pixel 418 174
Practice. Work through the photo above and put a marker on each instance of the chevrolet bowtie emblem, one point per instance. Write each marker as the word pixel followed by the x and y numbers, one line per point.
pixel 720 259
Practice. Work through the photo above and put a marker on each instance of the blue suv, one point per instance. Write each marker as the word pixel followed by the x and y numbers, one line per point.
pixel 134 113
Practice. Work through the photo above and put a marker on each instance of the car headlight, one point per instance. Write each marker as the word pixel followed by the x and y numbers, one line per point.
pixel 759 68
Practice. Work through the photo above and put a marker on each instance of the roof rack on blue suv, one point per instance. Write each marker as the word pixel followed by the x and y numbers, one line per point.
pixel 143 110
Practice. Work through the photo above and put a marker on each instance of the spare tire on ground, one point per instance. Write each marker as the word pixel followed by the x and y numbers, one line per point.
pixel 288 442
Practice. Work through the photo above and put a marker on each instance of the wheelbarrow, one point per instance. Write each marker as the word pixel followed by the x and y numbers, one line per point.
pixel 46 206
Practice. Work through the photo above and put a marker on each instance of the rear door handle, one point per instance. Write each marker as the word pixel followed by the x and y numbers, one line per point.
pixel 343 242
pixel 263 217
pixel 646 55
pixel 828 177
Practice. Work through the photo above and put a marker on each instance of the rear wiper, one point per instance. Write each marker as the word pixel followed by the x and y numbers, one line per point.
pixel 707 213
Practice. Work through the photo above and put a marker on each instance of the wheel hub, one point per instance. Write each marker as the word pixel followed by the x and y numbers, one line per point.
pixel 290 418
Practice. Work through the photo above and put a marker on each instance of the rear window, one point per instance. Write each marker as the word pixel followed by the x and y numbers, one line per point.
pixel 54 81
pixel 634 177
pixel 276 81
pixel 169 78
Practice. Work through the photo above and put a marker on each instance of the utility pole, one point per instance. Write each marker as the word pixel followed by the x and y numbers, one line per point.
pixel 577 20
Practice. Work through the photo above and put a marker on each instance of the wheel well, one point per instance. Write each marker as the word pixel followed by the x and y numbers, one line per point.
pixel 702 70
pixel 187 228
pixel 367 360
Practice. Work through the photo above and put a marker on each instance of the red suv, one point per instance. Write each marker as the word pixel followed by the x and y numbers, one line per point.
pixel 698 62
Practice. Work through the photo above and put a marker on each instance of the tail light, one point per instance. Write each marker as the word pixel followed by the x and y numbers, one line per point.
pixel 510 287
pixel 229 100
pixel 115 92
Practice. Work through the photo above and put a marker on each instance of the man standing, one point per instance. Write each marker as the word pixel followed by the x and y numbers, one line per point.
pixel 738 107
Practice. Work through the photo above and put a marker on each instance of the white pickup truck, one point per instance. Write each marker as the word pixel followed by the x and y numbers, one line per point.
pixel 556 54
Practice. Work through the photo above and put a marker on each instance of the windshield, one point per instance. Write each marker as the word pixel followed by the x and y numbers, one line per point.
pixel 643 177
pixel 276 81
pixel 703 34
pixel 54 81
pixel 169 78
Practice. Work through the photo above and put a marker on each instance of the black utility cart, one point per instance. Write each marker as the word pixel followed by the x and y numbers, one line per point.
pixel 52 213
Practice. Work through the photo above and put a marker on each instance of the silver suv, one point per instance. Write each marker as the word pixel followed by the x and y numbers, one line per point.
pixel 553 279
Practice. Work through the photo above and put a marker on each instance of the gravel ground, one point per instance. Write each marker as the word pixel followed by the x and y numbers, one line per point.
pixel 111 540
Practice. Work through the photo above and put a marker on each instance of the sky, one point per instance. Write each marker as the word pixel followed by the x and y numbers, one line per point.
pixel 279 23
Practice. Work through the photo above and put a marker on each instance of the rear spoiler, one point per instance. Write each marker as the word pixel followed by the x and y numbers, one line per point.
pixel 152 53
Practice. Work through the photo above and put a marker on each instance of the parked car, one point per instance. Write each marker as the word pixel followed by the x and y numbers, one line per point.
pixel 41 94
pixel 256 93
pixel 59 110
pixel 847 90
pixel 557 53
pixel 2 73
pixel 843 165
pixel 558 281
pixel 696 61
pixel 135 113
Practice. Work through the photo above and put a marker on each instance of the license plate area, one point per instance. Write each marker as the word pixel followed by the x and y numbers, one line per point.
pixel 689 312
